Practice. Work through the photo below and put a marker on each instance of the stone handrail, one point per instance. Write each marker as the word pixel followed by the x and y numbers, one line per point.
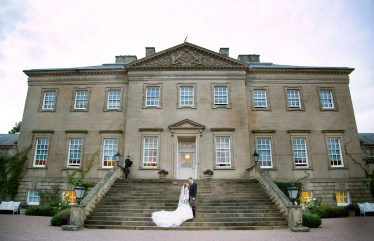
pixel 271 188
pixel 79 212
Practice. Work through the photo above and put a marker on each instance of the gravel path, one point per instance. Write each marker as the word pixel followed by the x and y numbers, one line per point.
pixel 30 228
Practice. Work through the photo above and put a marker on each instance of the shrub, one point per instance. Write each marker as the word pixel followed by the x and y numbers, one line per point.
pixel 311 220
pixel 327 211
pixel 61 218
pixel 41 211
pixel 208 172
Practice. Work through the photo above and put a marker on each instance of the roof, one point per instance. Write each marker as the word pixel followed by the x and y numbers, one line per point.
pixel 157 57
pixel 8 139
pixel 366 138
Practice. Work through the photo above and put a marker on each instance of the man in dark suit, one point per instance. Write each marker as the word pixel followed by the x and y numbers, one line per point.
pixel 128 164
pixel 193 192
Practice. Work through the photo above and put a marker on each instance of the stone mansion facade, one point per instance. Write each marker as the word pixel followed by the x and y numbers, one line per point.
pixel 187 109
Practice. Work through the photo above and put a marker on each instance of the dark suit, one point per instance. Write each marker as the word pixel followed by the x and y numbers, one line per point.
pixel 128 164
pixel 193 192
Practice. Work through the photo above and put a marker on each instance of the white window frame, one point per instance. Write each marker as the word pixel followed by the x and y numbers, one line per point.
pixel 49 100
pixel 81 99
pixel 152 96
pixel 293 99
pixel 114 99
pixel 223 149
pixel 262 98
pixel 326 100
pixel 41 150
pixel 150 151
pixel 300 152
pixel 33 194
pixel 191 95
pixel 265 155
pixel 75 152
pixel 335 152
pixel 221 95
pixel 345 195
pixel 109 149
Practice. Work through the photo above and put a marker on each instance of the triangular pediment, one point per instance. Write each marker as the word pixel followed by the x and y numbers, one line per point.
pixel 186 56
pixel 186 124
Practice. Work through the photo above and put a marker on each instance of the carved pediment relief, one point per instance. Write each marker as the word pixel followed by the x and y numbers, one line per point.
pixel 186 56
pixel 186 124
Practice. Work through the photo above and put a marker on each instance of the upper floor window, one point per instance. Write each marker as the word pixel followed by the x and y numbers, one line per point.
pixel 150 151
pixel 260 99
pixel 49 100
pixel 335 152
pixel 221 95
pixel 152 96
pixel 326 98
pixel 293 98
pixel 187 96
pixel 300 156
pixel 110 148
pixel 264 152
pixel 81 100
pixel 223 151
pixel 114 99
pixel 75 152
pixel 41 151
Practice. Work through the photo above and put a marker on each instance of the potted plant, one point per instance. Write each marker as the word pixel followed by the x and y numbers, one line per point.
pixel 162 173
pixel 208 174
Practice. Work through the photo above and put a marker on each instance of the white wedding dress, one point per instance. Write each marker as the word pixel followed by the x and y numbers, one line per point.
pixel 175 218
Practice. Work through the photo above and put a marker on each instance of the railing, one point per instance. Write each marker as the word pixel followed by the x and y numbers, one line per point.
pixel 79 212
pixel 271 188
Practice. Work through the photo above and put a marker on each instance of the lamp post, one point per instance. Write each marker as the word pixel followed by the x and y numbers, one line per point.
pixel 117 158
pixel 292 192
pixel 79 191
pixel 255 158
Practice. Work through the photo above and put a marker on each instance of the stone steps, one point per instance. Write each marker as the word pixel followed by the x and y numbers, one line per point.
pixel 222 205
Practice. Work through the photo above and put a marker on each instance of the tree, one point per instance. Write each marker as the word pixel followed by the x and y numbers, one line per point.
pixel 16 128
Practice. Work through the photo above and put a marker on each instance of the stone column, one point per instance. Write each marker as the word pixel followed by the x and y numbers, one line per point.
pixel 77 215
pixel 295 219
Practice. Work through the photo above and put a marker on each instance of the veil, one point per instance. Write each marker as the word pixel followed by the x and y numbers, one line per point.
pixel 181 196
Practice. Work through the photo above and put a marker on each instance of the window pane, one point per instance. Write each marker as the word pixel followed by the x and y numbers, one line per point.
pixel 33 197
pixel 114 99
pixel 152 96
pixel 186 96
pixel 75 152
pixel 334 149
pixel 110 148
pixel 223 153
pixel 49 100
pixel 259 98
pixel 150 151
pixel 41 150
pixel 299 152
pixel 220 95
pixel 293 98
pixel 327 101
pixel 81 98
pixel 264 152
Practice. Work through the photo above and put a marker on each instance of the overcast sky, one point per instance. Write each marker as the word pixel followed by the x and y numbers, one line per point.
pixel 53 34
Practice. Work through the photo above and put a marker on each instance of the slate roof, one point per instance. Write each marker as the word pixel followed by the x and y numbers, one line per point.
pixel 8 139
pixel 366 138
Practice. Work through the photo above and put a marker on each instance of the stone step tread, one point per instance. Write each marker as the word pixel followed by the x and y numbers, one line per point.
pixel 217 223
pixel 243 227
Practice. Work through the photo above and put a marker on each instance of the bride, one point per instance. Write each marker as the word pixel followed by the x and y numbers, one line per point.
pixel 177 217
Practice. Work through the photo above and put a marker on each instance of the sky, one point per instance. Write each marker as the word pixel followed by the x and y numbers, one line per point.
pixel 38 34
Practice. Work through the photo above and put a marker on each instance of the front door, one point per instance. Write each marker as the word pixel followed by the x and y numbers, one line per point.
pixel 186 158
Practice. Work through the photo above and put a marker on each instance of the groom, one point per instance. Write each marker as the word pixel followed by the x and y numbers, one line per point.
pixel 193 192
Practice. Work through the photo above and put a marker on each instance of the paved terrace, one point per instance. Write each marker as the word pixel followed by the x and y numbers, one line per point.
pixel 30 228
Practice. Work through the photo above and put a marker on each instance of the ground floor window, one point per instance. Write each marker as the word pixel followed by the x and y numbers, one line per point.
pixel 342 198
pixel 150 151
pixel 33 197
pixel 70 195
pixel 223 151
pixel 110 148
pixel 264 152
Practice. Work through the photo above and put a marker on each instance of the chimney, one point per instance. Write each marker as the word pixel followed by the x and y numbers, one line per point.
pixel 224 51
pixel 149 51
pixel 249 58
pixel 125 59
